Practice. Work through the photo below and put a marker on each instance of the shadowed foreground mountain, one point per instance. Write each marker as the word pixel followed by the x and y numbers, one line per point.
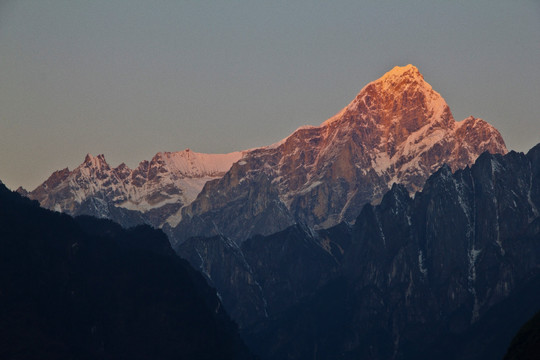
pixel 526 343
pixel 88 289
pixel 449 274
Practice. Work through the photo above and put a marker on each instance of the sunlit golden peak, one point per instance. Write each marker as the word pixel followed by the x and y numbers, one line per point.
pixel 399 71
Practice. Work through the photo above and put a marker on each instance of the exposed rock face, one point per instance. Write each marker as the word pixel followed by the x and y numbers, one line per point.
pixel 152 193
pixel 425 278
pixel 434 276
pixel 267 274
pixel 226 269
pixel 397 130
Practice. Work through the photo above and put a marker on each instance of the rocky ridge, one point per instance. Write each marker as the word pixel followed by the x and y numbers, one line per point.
pixel 449 273
pixel 396 130
pixel 152 193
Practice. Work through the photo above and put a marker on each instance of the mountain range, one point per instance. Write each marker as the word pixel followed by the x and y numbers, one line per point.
pixel 152 193
pixel 396 130
pixel 390 231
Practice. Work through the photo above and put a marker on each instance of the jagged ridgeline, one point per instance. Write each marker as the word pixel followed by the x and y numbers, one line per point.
pixel 88 289
pixel 450 273
pixel 397 129
pixel 152 193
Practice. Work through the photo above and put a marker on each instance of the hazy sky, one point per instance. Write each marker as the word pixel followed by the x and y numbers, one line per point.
pixel 129 78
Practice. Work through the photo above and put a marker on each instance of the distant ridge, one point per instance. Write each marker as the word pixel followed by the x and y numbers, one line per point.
pixel 151 193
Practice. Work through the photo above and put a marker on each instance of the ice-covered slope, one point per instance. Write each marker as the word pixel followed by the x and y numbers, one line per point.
pixel 152 193
pixel 397 129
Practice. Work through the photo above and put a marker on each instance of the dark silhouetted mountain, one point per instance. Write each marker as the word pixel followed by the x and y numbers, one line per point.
pixel 224 266
pixel 88 289
pixel 526 343
pixel 267 274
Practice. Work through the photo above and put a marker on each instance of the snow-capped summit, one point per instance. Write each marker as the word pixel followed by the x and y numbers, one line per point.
pixel 396 130
pixel 193 164
pixel 401 74
pixel 392 94
pixel 151 193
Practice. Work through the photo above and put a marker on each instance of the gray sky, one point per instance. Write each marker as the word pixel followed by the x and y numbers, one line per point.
pixel 129 78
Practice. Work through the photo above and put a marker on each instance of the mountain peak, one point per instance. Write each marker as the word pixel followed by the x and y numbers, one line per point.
pixel 399 96
pixel 397 72
pixel 20 190
pixel 97 162
pixel 89 158
pixel 401 79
